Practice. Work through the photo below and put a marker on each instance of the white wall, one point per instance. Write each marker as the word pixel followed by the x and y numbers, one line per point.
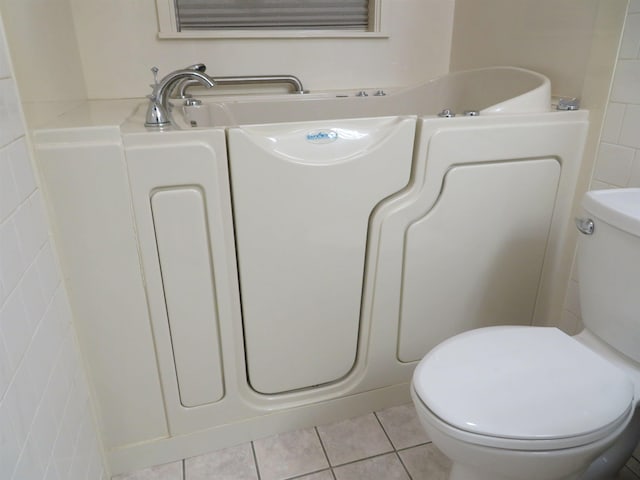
pixel 118 45
pixel 46 61
pixel 46 425
pixel 552 37
pixel 618 156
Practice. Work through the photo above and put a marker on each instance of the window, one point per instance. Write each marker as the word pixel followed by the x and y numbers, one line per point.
pixel 270 18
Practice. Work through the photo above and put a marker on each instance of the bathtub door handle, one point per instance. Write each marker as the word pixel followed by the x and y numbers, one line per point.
pixel 585 225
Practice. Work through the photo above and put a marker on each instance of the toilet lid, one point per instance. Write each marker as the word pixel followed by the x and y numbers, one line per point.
pixel 530 383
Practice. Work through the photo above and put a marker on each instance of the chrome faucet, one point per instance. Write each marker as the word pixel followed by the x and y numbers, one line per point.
pixel 158 114
pixel 180 89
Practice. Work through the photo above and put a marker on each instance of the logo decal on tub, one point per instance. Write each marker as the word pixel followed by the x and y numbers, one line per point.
pixel 322 136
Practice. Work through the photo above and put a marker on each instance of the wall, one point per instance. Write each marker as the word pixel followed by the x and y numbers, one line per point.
pixel 118 40
pixel 46 425
pixel 45 55
pixel 552 37
pixel 618 158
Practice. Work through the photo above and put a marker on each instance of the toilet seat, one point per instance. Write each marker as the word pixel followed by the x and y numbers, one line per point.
pixel 523 387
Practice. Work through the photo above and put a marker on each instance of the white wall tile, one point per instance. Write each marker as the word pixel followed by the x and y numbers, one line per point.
pixel 43 395
pixel 20 161
pixel 10 120
pixel 630 46
pixel 48 270
pixel 634 178
pixel 42 351
pixel 634 6
pixel 21 399
pixel 15 328
pixel 5 68
pixel 31 224
pixel 11 261
pixel 6 372
pixel 8 190
pixel 613 164
pixel 44 432
pixel 31 291
pixel 52 473
pixel 598 185
pixel 613 122
pixel 625 82
pixel 28 464
pixel 629 133
pixel 66 442
pixel 9 447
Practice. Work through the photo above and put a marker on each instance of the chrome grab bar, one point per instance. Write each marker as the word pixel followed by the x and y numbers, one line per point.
pixel 259 79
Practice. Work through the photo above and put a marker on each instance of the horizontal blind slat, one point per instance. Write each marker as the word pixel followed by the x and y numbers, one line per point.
pixel 275 14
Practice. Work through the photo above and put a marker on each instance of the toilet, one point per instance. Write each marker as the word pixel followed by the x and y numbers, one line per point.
pixel 533 403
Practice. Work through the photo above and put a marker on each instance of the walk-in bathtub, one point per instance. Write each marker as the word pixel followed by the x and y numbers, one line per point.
pixel 276 262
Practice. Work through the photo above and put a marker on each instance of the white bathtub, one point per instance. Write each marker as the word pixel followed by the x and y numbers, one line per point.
pixel 282 307
pixel 497 90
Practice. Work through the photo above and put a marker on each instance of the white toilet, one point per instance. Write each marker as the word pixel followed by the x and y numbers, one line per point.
pixel 532 403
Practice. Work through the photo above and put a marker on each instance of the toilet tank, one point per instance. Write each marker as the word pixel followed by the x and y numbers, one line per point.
pixel 609 268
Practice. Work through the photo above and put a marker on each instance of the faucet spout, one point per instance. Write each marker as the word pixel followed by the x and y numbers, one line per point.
pixel 158 111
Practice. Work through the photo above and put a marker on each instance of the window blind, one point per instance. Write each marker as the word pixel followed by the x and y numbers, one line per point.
pixel 272 14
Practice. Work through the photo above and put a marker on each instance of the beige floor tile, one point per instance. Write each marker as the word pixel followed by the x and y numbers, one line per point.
pixel 385 467
pixel 289 454
pixel 354 439
pixel 323 475
pixel 233 463
pixel 168 471
pixel 403 426
pixel 626 474
pixel 634 465
pixel 426 462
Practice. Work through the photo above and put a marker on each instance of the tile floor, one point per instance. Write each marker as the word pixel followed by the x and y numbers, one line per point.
pixel 385 445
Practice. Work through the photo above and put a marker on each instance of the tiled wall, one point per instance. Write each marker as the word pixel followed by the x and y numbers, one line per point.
pixel 618 158
pixel 46 425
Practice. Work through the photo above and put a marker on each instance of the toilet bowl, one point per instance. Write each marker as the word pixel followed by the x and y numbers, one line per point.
pixel 533 403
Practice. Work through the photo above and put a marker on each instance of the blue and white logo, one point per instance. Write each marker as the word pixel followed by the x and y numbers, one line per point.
pixel 322 136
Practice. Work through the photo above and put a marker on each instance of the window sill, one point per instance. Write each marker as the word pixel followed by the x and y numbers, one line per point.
pixel 249 34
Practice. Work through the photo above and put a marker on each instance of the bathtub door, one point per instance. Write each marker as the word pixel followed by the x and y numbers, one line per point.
pixel 302 197
pixel 476 258
pixel 476 240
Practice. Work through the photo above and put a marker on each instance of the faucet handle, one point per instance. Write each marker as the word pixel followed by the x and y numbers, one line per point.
pixel 154 85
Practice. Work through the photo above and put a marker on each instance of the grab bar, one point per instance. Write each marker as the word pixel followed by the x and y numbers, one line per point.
pixel 258 79
pixel 296 84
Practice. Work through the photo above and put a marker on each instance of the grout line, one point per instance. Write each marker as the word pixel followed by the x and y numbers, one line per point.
pixel 255 461
pixel 365 458
pixel 395 450
pixel 413 446
pixel 375 414
pixel 302 475
pixel 630 472
pixel 324 450
pixel 326 455
pixel 403 465
pixel 184 470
